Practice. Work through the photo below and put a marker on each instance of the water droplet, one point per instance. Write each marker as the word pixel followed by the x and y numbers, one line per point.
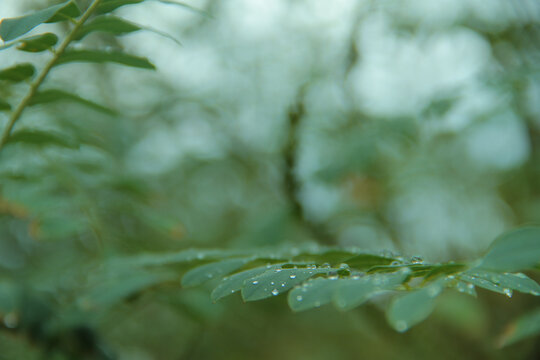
pixel 282 284
pixel 275 292
pixel 272 283
pixel 255 282
pixel 401 326
pixel 470 287
pixel 299 298
pixel 395 263
pixel 333 277
pixel 343 266
pixel 451 277
pixel 325 266
pixel 507 292
pixel 292 276
pixel 278 270
pixel 417 260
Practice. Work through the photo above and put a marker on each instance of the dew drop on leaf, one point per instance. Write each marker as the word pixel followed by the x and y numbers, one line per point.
pixel 275 292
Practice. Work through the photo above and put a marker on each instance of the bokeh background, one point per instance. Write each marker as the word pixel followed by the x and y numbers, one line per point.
pixel 412 126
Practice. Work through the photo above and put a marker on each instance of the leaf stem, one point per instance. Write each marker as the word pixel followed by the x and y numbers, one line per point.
pixel 43 74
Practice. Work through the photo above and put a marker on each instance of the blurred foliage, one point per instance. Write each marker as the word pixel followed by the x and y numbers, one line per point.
pixel 286 133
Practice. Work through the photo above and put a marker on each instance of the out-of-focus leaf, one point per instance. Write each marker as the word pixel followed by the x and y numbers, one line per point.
pixel 38 43
pixel 213 270
pixel 41 138
pixel 313 293
pixel 526 326
pixel 185 6
pixel 111 24
pixel 12 28
pixel 516 250
pixel 357 290
pixel 98 56
pixel 54 95
pixel 107 6
pixel 4 105
pixel 366 261
pixel 18 73
pixel 408 310
pixel 235 282
pixel 276 281
pixel 502 283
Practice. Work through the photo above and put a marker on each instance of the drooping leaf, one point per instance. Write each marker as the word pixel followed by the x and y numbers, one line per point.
pixel 98 56
pixel 276 281
pixel 12 28
pixel 235 282
pixel 18 73
pixel 38 43
pixel 526 326
pixel 110 24
pixel 516 250
pixel 313 293
pixel 4 105
pixel 212 270
pixel 54 95
pixel 107 6
pixel 408 310
pixel 40 138
pixel 358 289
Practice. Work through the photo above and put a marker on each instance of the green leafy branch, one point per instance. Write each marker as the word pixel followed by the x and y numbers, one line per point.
pixel 347 278
pixel 12 29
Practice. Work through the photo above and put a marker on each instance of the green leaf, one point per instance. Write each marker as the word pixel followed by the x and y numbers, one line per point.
pixel 18 73
pixel 501 283
pixel 366 261
pixel 357 290
pixel 186 6
pixel 4 105
pixel 12 28
pixel 313 293
pixel 54 95
pixel 98 56
pixel 276 281
pixel 516 250
pixel 107 6
pixel 235 282
pixel 38 43
pixel 212 270
pixel 526 326
pixel 110 24
pixel 40 138
pixel 410 309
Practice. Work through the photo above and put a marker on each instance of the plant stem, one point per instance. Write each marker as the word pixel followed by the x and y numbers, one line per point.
pixel 43 74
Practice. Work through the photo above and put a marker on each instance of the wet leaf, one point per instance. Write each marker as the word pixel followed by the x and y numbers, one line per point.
pixel 516 250
pixel 235 282
pixel 408 310
pixel 213 270
pixel 277 281
pixel 313 293
pixel 357 290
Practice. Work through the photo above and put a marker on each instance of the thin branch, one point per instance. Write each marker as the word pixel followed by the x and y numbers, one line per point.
pixel 43 74
pixel 291 184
